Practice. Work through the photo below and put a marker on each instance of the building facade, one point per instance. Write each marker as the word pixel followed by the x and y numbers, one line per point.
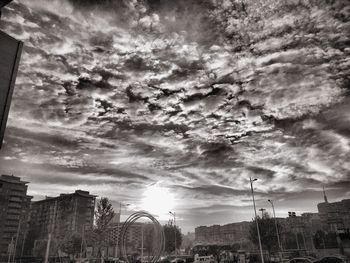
pixel 133 240
pixel 234 233
pixel 336 215
pixel 14 214
pixel 60 216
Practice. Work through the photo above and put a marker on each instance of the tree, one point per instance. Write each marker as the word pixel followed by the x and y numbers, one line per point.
pixel 267 231
pixel 103 215
pixel 169 231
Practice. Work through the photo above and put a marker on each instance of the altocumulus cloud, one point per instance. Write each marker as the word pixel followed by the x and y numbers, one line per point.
pixel 199 95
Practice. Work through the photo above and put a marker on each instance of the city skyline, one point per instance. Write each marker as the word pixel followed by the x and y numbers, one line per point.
pixel 125 212
pixel 152 108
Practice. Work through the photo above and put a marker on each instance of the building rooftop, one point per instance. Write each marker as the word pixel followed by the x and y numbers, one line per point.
pixel 12 179
pixel 77 192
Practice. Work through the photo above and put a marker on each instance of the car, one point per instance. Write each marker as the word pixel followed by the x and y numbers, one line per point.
pixel 301 260
pixel 178 260
pixel 333 259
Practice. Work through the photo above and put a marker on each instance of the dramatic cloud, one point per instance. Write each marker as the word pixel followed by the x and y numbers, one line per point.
pixel 190 97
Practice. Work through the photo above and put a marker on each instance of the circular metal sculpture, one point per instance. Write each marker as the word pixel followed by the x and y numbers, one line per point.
pixel 159 234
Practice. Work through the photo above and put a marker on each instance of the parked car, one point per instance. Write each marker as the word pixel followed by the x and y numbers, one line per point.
pixel 204 259
pixel 301 260
pixel 333 259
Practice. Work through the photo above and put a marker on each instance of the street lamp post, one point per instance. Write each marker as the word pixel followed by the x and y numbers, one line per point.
pixel 274 216
pixel 256 219
pixel 173 213
pixel 118 230
pixel 141 243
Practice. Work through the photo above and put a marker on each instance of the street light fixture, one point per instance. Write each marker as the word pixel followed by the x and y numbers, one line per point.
pixel 173 214
pixel 274 216
pixel 256 218
pixel 262 212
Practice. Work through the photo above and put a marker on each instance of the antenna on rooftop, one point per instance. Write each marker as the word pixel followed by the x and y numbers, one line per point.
pixel 325 196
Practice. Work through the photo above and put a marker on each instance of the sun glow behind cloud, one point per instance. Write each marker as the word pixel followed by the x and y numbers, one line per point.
pixel 158 201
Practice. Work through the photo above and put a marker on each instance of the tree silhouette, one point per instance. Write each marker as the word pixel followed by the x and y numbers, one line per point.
pixel 268 233
pixel 169 232
pixel 103 215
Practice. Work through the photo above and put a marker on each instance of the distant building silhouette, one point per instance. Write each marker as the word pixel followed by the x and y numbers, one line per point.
pixel 60 216
pixel 14 213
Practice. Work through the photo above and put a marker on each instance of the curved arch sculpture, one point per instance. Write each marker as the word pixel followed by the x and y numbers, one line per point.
pixel 159 234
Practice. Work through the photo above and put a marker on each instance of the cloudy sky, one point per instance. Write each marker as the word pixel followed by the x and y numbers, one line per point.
pixel 173 105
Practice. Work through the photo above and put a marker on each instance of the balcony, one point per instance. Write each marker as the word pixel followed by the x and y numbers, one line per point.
pixel 15 199
pixel 11 225
pixel 13 217
pixel 10 230
pixel 13 212
pixel 14 205
pixel 17 194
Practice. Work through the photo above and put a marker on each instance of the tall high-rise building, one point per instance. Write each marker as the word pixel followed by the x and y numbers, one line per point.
pixel 60 216
pixel 14 214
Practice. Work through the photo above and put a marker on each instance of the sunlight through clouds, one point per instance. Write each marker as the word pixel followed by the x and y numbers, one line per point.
pixel 158 200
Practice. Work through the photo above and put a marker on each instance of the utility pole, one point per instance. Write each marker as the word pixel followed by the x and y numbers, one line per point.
pixel 277 232
pixel 256 219
pixel 16 240
pixel 118 229
pixel 296 238
pixel 82 241
pixel 10 250
pixel 50 234
pixel 173 213
pixel 48 248
pixel 141 243
pixel 142 248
